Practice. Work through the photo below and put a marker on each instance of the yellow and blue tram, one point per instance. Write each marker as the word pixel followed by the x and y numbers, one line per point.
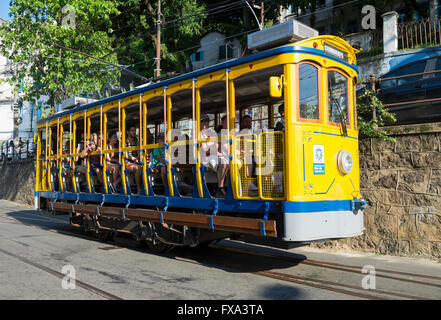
pixel 287 184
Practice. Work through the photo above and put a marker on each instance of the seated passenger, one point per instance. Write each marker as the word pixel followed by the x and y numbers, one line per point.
pixel 208 150
pixel 132 161
pixel 246 124
pixel 158 159
pixel 94 160
pixel 112 161
pixel 280 126
pixel 246 128
pixel 223 162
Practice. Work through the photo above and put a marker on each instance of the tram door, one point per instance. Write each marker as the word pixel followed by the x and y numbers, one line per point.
pixel 259 143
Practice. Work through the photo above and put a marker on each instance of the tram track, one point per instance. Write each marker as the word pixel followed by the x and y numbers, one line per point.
pixel 340 267
pixel 338 287
pixel 348 289
pixel 60 275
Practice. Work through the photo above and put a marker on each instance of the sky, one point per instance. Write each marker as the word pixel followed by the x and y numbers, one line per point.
pixel 4 9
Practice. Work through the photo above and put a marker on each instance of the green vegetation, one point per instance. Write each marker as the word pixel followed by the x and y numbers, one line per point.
pixel 35 40
pixel 369 126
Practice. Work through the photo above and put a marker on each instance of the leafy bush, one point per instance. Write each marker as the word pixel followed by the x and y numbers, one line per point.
pixel 367 125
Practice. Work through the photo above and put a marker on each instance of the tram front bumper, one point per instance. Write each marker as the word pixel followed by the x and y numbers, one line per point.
pixel 320 220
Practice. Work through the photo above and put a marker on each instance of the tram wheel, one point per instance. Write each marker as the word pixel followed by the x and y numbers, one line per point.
pixel 158 247
pixel 105 235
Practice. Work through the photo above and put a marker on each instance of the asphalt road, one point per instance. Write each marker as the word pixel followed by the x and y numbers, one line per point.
pixel 35 247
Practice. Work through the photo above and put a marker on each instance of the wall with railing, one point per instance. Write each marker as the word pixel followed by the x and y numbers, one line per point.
pixel 419 34
pixel 392 36
pixel 10 151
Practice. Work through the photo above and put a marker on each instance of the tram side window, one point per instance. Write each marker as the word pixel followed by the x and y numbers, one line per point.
pixel 337 97
pixel 308 92
pixel 252 96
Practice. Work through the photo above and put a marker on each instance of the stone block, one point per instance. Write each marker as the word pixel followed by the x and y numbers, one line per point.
pixel 365 178
pixel 428 226
pixel 369 161
pixel 403 247
pixel 419 201
pixel 435 250
pixel 385 179
pixel 382 225
pixel 394 197
pixel 414 180
pixel 381 146
pixel 387 246
pixel 429 142
pixel 396 161
pixel 373 196
pixel 420 248
pixel 407 229
pixel 435 182
pixel 427 159
pixel 364 145
pixel 408 143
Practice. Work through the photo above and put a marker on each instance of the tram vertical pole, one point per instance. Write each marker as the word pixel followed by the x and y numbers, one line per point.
pixel 124 145
pixel 104 151
pixel 231 126
pixel 46 160
pixel 145 142
pixel 74 143
pixel 70 141
pixel 289 89
pixel 60 157
pixel 169 155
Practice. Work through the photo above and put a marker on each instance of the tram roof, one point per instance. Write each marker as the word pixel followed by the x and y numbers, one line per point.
pixel 291 48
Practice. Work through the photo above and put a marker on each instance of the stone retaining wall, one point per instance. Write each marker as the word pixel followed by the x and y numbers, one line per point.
pixel 17 181
pixel 402 182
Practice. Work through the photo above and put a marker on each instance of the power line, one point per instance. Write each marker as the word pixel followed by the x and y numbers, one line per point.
pixel 212 11
pixel 106 62
pixel 324 9
pixel 209 11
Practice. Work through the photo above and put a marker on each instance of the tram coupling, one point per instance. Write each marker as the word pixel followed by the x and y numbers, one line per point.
pixel 359 204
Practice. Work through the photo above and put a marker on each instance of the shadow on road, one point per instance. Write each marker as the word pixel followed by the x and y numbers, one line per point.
pixel 212 256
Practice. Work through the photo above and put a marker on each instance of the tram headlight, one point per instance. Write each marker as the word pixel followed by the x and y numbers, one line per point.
pixel 344 162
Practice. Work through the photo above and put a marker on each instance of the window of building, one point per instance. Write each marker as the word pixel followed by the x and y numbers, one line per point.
pixel 226 52
pixel 197 56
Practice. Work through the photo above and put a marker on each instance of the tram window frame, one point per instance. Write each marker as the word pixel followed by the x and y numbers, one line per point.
pixel 182 114
pixel 217 107
pixel 319 92
pixel 264 101
pixel 64 139
pixel 348 110
pixel 354 103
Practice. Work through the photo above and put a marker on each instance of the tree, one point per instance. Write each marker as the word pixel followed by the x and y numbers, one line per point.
pixel 38 40
pixel 134 38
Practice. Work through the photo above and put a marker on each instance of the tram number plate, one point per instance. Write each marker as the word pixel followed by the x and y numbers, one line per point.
pixel 319 159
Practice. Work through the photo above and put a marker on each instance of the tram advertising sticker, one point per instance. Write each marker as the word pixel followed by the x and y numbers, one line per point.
pixel 319 158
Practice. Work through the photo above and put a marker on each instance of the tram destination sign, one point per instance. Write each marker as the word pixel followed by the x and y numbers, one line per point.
pixel 333 51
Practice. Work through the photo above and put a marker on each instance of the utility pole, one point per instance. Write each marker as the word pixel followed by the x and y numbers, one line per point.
pixel 158 42
pixel 14 108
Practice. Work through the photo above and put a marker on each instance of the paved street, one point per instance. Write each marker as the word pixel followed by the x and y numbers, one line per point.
pixel 35 247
